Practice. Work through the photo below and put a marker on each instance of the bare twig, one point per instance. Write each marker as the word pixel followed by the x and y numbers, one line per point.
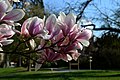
pixel 83 9
pixel 108 18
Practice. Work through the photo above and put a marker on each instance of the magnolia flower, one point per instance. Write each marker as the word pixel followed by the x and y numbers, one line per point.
pixel 34 27
pixel 72 28
pixel 74 36
pixel 84 37
pixel 66 22
pixel 67 35
pixel 49 55
pixel 8 15
pixel 69 55
pixel 5 33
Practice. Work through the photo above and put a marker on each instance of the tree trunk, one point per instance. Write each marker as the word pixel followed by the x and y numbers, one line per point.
pixel 20 59
pixel 29 64
pixel 6 62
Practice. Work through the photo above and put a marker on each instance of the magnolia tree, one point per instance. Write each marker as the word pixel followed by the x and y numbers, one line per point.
pixel 51 39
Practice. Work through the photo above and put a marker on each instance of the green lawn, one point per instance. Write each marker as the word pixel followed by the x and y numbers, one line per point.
pixel 21 74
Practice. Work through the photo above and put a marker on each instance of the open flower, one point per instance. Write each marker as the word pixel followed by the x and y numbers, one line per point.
pixel 74 36
pixel 34 27
pixel 66 22
pixel 66 37
pixel 8 15
pixel 49 56
pixel 5 33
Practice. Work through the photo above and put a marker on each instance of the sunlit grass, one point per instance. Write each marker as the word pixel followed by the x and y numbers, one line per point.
pixel 22 74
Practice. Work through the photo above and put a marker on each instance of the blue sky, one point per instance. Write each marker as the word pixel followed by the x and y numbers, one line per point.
pixel 104 5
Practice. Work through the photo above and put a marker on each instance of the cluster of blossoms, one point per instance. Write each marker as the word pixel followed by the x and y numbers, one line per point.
pixel 60 38
pixel 52 38
pixel 8 17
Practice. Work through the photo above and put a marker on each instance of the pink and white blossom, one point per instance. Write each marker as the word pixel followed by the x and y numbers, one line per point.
pixel 8 15
pixel 67 37
pixel 5 33
pixel 34 27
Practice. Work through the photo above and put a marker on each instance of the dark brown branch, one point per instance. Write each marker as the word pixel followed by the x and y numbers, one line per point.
pixel 105 28
pixel 110 29
pixel 82 10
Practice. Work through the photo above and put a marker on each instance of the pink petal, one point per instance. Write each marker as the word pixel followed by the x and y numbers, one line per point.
pixel 75 54
pixel 35 26
pixel 14 15
pixel 64 57
pixel 73 36
pixel 1 15
pixel 70 20
pixel 57 38
pixel 3 6
pixel 85 34
pixel 71 47
pixel 50 23
pixel 55 32
pixel 63 27
pixel 6 31
pixel 79 46
pixel 24 30
pixel 66 41
pixel 50 56
pixel 9 5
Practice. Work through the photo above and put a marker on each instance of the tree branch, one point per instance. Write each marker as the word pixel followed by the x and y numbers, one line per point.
pixel 105 28
pixel 83 9
pixel 110 29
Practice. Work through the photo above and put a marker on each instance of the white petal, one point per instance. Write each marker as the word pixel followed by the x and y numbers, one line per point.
pixel 84 42
pixel 17 24
pixel 46 37
pixel 6 42
pixel 79 46
pixel 16 0
pixel 61 17
pixel 32 44
pixel 70 19
pixel 69 57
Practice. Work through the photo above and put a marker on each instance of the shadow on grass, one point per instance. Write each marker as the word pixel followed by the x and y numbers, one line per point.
pixel 63 75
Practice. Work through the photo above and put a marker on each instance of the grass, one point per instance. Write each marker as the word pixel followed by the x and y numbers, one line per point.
pixel 21 74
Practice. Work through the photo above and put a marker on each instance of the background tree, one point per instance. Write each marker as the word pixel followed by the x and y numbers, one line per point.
pixel 107 55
